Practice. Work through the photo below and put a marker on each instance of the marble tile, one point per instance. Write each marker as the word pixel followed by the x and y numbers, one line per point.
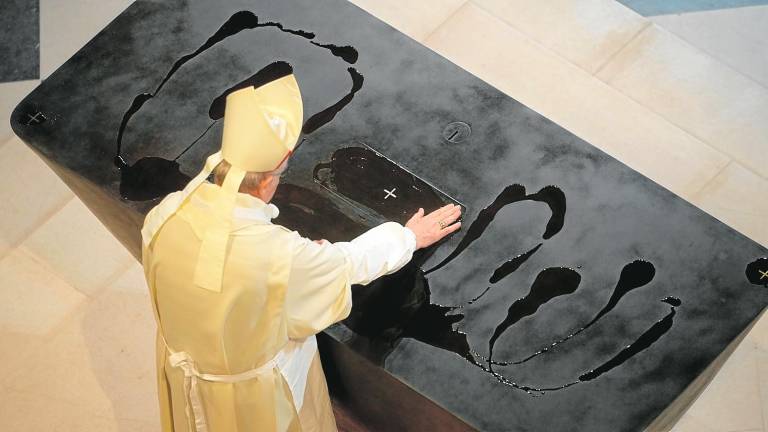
pixel 33 300
pixel 103 357
pixel 586 32
pixel 99 255
pixel 737 197
pixel 689 423
pixel 10 95
pixel 696 92
pixel 416 19
pixel 34 303
pixel 16 349
pixel 759 333
pixel 65 28
pixel 732 402
pixel 762 367
pixel 31 192
pixel 132 281
pixel 576 100
pixel 30 412
pixel 735 36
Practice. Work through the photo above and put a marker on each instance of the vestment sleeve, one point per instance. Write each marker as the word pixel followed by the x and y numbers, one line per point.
pixel 319 286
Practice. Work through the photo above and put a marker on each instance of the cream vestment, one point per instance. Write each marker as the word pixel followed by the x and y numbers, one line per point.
pixel 279 290
pixel 238 299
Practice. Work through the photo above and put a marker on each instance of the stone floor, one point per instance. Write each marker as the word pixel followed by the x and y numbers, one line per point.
pixel 664 94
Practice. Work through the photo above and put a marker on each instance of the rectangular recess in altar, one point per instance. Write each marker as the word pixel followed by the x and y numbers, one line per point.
pixel 579 295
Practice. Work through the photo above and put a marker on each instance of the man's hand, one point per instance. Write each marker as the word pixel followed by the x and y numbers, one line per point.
pixel 433 227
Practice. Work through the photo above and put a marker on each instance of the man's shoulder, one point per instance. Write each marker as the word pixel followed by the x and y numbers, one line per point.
pixel 158 214
pixel 169 203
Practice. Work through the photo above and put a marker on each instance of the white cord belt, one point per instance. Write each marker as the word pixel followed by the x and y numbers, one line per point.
pixel 192 375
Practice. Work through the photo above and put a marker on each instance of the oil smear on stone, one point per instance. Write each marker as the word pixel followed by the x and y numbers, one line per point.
pixel 269 73
pixel 551 195
pixel 392 307
pixel 512 265
pixel 313 215
pixel 478 297
pixel 399 305
pixel 192 144
pixel 757 272
pixel 325 116
pixel 672 301
pixel 634 275
pixel 346 53
pixel 238 22
pixel 549 283
pixel 361 175
pixel 152 177
pixel 645 340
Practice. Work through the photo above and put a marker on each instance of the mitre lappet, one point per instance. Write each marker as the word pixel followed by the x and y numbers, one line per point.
pixel 261 129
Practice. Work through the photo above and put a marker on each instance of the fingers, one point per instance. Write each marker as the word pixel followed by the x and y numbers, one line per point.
pixel 435 225
pixel 453 215
pixel 448 222
pixel 443 212
pixel 448 209
pixel 450 228
pixel 450 216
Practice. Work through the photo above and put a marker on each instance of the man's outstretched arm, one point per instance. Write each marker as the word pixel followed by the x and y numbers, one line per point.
pixel 319 289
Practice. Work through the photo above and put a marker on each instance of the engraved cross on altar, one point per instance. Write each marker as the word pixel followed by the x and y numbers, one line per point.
pixel 390 193
pixel 36 119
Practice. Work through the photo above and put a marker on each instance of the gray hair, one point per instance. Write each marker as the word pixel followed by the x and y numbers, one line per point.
pixel 251 180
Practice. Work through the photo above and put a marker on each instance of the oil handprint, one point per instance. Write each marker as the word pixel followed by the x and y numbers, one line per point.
pixel 153 177
pixel 551 283
pixel 399 305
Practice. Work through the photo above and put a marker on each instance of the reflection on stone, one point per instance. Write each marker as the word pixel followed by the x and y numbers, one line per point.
pixel 365 177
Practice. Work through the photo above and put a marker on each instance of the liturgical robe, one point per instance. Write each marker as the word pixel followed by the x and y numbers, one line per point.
pixel 245 358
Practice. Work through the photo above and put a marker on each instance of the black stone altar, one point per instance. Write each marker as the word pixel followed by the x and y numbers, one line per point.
pixel 578 296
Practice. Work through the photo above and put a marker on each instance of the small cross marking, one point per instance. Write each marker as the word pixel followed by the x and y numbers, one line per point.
pixel 390 193
pixel 763 274
pixel 34 119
